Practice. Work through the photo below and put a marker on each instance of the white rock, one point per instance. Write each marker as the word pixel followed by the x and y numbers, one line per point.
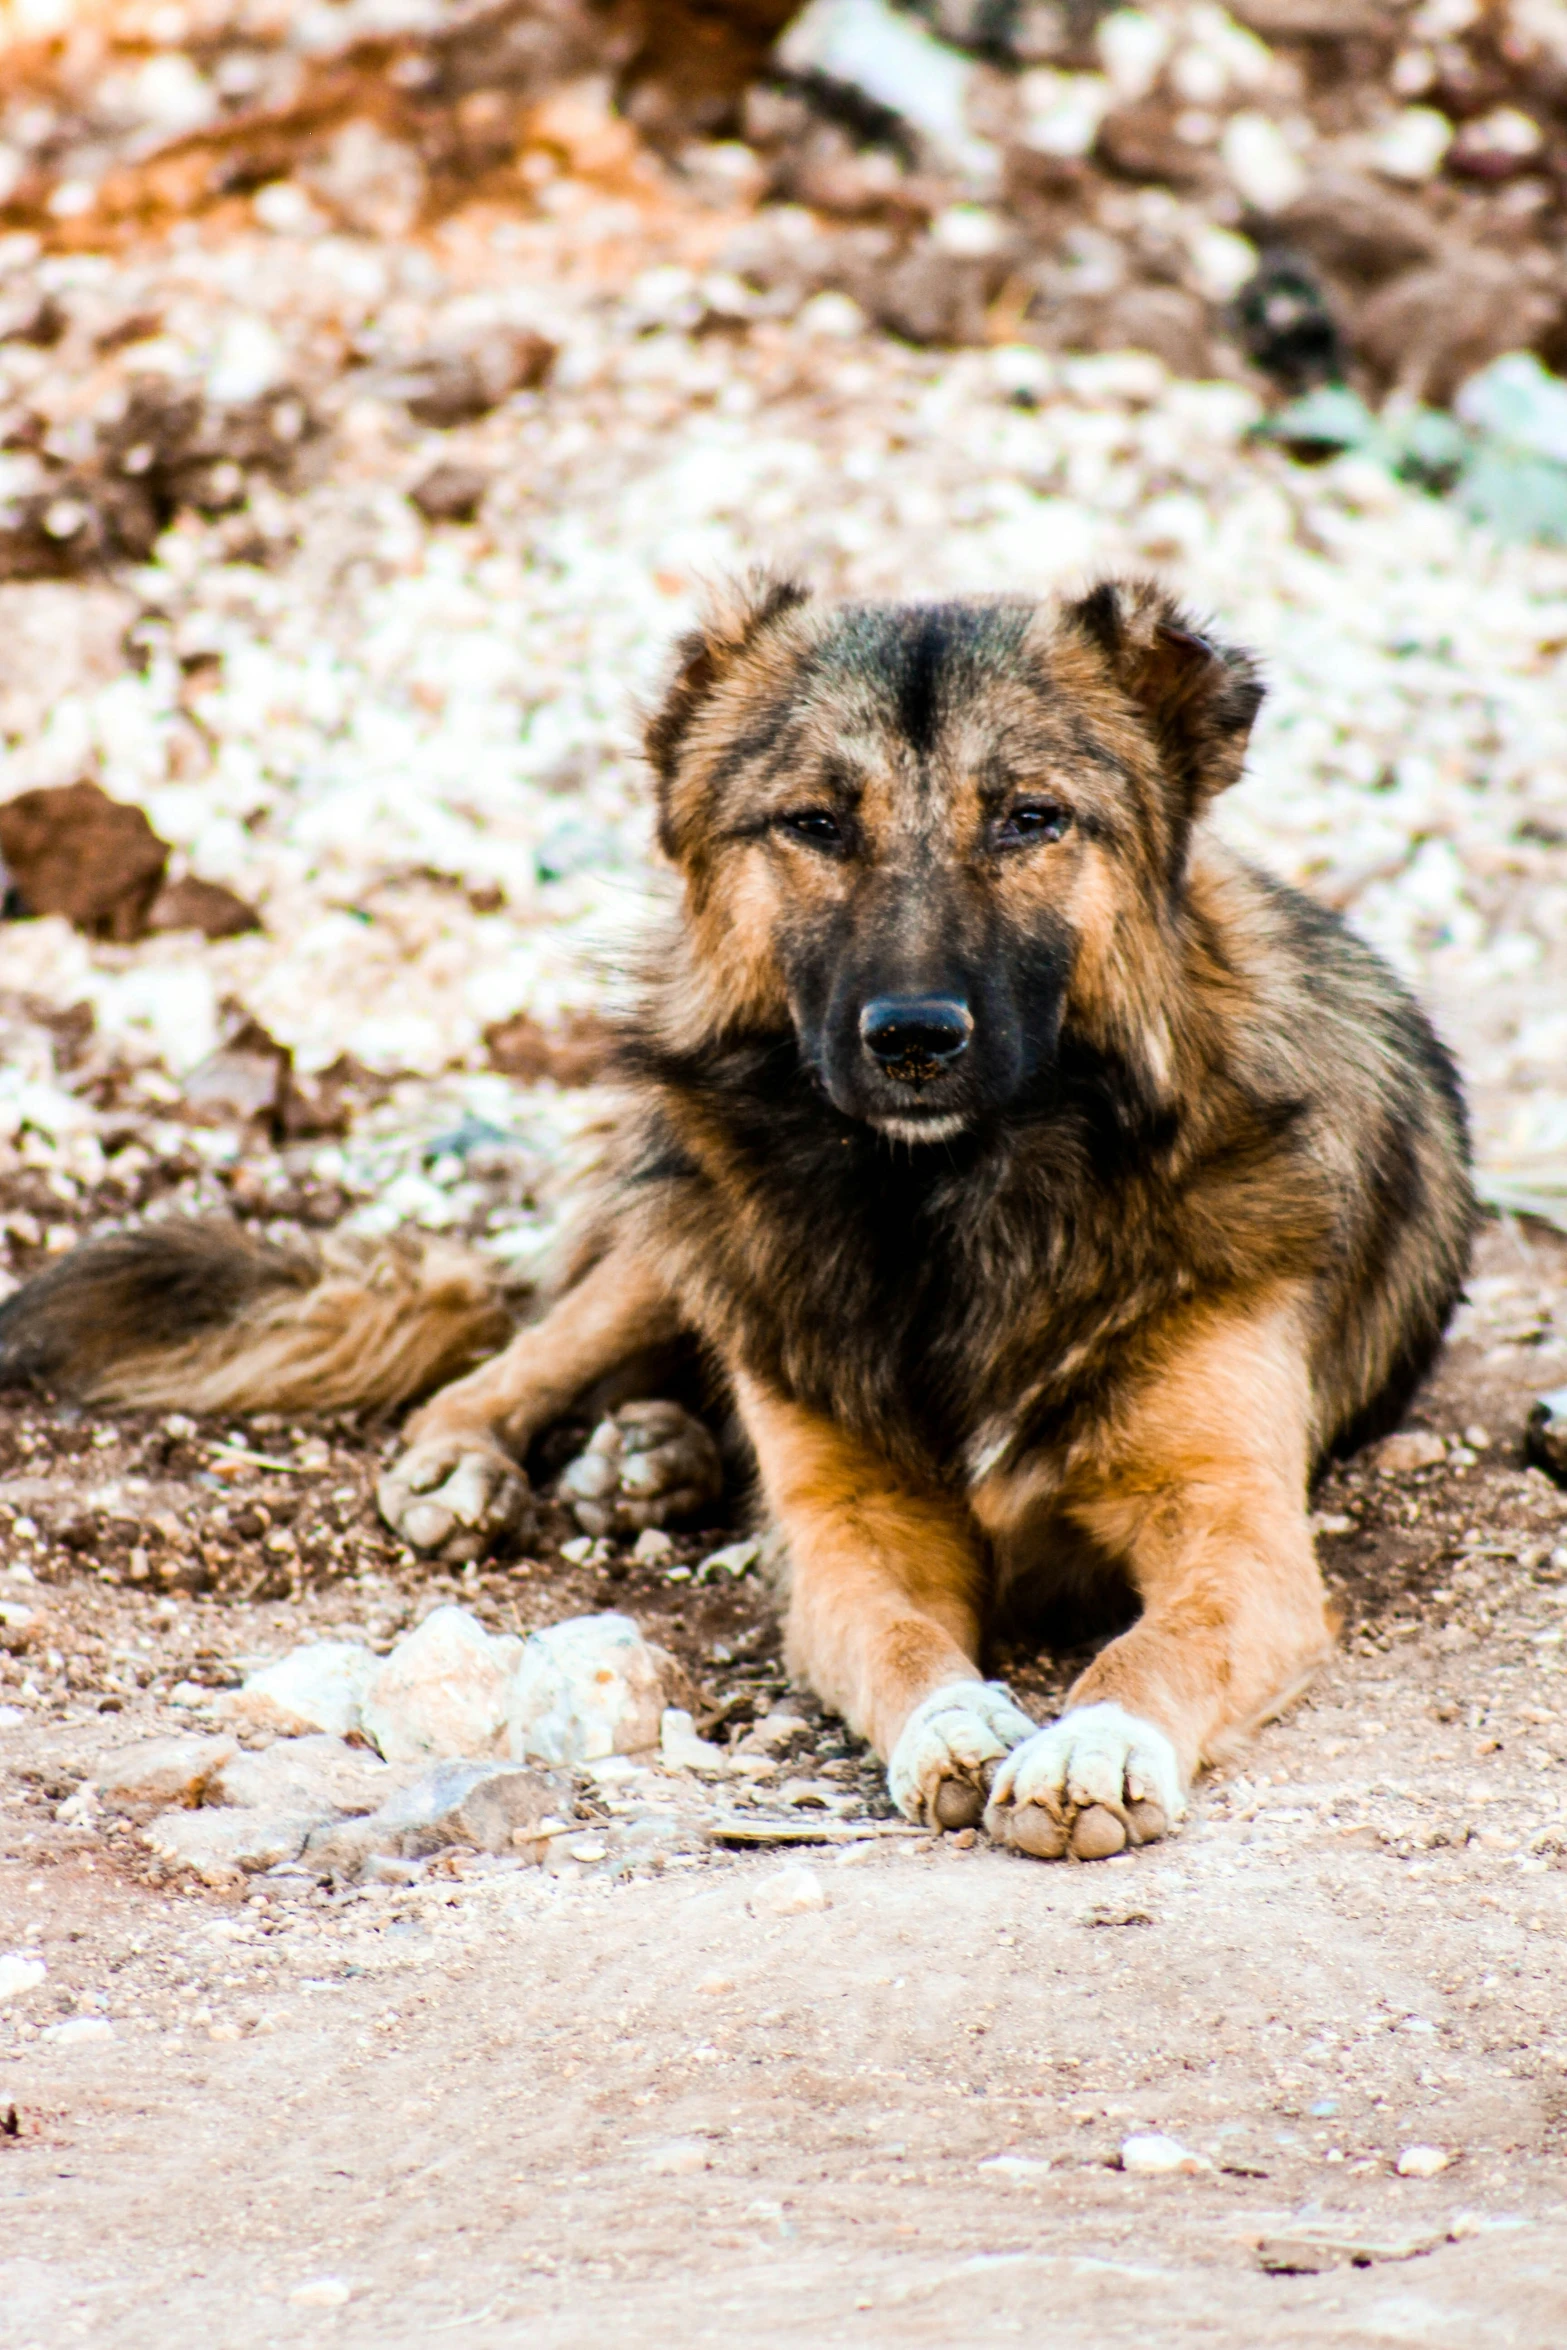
pixel 315 1774
pixel 441 1692
pixel 319 1687
pixel 220 1845
pixel 681 2158
pixel 679 1747
pixel 1413 144
pixel 494 1807
pixel 1132 48
pixel 322 2293
pixel 1015 2170
pixel 651 1547
pixel 970 231
pixel 1422 2162
pixel 1409 1450
pixel 80 2031
pixel 736 1558
pixel 1221 262
pixel 1062 112
pixel 1263 166
pixel 18 1974
pixel 586 1688
pixel 831 317
pixel 789 1892
pixel 287 211
pixel 1149 2154
pixel 248 362
pixel 158 1771
pixel 894 61
pixel 774 1732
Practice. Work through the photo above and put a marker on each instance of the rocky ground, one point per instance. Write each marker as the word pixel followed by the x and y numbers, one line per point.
pixel 367 528
pixel 873 2087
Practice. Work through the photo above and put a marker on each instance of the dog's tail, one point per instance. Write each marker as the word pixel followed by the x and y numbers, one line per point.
pixel 195 1315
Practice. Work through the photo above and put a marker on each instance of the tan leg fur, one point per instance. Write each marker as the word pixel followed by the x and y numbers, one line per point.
pixel 613 1312
pixel 1199 1483
pixel 1207 1500
pixel 883 1611
pixel 883 1581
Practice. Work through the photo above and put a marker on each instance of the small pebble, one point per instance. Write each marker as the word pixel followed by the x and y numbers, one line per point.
pixel 789 1892
pixel 680 1748
pixel 1422 2162
pixel 1409 1450
pixel 736 1558
pixel 1149 2154
pixel 322 2293
pixel 80 2031
pixel 681 2158
pixel 19 1974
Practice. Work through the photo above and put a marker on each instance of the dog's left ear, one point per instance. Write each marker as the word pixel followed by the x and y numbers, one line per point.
pixel 732 621
pixel 1199 697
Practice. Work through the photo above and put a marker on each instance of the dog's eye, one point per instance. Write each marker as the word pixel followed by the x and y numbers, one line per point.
pixel 819 826
pixel 1030 821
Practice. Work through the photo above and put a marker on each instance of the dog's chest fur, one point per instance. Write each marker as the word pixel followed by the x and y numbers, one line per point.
pixel 915 1297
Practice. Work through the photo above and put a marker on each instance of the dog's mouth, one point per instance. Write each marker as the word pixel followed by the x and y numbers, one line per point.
pixel 933 1126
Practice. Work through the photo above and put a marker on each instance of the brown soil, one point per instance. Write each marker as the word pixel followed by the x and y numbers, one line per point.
pixel 530 2106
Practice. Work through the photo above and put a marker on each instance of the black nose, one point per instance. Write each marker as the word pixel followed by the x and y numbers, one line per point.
pixel 915 1037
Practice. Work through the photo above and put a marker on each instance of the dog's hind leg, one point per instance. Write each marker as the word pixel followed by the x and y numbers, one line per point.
pixel 883 1610
pixel 1199 1483
pixel 458 1486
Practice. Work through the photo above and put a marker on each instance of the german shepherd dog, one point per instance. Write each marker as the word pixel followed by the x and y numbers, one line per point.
pixel 1050 1190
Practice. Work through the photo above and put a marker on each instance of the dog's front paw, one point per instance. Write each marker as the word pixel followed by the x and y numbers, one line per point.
pixel 454 1497
pixel 649 1464
pixel 1092 1783
pixel 947 1749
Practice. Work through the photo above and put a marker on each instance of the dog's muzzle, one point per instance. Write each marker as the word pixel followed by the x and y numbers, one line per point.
pixel 916 1038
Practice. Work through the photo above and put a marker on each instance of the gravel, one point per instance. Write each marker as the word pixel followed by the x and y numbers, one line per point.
pixel 412 746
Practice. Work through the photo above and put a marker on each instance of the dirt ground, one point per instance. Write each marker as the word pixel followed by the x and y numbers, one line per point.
pixel 668 2088
pixel 693 2097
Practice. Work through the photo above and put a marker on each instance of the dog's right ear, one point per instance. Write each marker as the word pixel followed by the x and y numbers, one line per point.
pixel 732 621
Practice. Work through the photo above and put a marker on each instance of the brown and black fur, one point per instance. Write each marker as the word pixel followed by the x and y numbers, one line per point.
pixel 1048 1185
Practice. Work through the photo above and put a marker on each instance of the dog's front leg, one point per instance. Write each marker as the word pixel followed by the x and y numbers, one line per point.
pixel 457 1488
pixel 1200 1485
pixel 883 1614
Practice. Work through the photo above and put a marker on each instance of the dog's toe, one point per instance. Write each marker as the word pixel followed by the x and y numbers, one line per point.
pixel 649 1464
pixel 1091 1784
pixel 1036 1831
pixel 957 1804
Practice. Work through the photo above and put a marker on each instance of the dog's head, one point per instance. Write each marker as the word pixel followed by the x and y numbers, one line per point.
pixel 932 836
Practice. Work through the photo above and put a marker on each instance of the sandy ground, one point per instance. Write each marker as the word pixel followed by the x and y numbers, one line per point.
pixel 530 2106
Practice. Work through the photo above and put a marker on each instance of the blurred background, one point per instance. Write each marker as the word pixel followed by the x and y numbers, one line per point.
pixel 380 380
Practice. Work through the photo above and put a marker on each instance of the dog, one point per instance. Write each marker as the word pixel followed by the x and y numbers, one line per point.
pixel 1049 1190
